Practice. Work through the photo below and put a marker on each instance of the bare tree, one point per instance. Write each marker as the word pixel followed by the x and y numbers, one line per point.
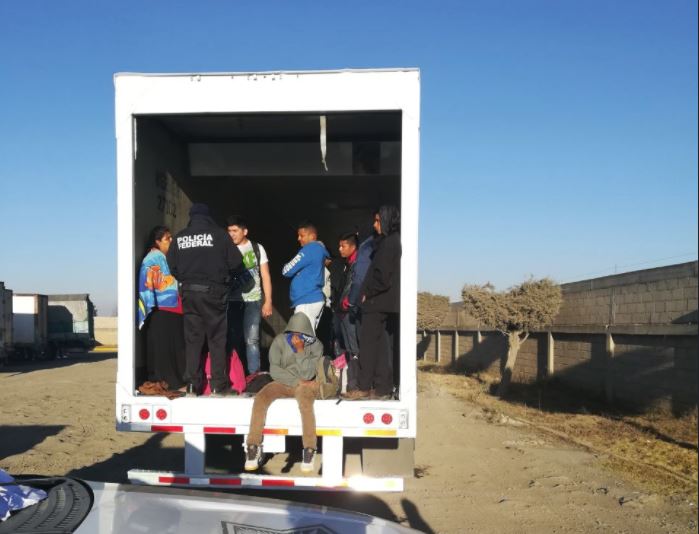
pixel 431 310
pixel 514 313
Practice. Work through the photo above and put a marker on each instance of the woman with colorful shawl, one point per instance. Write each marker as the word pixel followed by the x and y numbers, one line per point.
pixel 160 311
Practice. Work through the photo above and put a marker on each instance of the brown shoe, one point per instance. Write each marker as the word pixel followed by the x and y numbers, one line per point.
pixel 356 394
pixel 373 395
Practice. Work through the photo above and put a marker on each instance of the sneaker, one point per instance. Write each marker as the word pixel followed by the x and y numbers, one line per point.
pixel 308 460
pixel 223 392
pixel 253 456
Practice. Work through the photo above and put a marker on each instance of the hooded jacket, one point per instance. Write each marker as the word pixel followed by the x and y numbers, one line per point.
pixel 382 283
pixel 287 366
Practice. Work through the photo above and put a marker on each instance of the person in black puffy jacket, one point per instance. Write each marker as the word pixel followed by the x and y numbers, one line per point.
pixel 380 307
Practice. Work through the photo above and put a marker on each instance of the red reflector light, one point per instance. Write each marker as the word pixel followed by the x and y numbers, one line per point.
pixel 161 414
pixel 144 414
pixel 387 419
pixel 368 418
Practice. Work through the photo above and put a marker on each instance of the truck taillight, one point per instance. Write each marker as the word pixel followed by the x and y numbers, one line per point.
pixel 387 419
pixel 368 418
pixel 161 414
pixel 144 413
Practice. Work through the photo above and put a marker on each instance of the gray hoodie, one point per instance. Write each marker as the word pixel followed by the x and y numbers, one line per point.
pixel 287 366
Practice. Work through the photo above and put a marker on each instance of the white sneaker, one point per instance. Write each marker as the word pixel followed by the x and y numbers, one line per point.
pixel 308 460
pixel 253 457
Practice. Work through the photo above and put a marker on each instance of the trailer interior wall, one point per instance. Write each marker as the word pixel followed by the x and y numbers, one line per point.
pixel 160 165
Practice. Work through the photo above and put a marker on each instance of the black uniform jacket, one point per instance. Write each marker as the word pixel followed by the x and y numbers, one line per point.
pixel 203 254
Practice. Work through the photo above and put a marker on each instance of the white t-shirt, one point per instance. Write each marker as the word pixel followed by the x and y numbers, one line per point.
pixel 250 262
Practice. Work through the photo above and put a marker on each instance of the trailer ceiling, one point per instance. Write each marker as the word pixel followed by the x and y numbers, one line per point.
pixel 365 126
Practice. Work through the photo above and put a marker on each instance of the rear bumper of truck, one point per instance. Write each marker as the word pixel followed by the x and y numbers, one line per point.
pixel 334 417
pixel 202 417
pixel 266 482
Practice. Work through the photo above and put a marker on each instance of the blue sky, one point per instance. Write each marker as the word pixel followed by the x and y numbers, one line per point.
pixel 558 138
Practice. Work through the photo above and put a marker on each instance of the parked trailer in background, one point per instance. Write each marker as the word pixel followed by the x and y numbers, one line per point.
pixel 29 325
pixel 277 148
pixel 71 323
pixel 5 322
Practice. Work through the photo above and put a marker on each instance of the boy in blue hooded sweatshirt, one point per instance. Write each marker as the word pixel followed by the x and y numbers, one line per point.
pixel 307 273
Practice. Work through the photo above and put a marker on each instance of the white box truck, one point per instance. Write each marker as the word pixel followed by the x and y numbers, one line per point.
pixel 277 148
pixel 29 325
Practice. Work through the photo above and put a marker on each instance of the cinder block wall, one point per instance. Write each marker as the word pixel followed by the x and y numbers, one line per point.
pixel 106 331
pixel 579 361
pixel 629 338
pixel 666 295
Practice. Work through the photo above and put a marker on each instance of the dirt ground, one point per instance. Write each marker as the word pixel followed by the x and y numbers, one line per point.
pixel 479 467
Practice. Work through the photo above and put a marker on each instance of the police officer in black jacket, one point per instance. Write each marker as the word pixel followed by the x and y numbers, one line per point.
pixel 201 257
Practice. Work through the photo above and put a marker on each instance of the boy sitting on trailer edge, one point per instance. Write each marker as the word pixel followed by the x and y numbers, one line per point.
pixel 293 359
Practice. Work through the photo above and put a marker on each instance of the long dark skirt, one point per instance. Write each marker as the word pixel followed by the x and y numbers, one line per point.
pixel 165 348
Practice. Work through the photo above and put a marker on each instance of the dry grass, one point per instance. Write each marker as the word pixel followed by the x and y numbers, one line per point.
pixel 656 450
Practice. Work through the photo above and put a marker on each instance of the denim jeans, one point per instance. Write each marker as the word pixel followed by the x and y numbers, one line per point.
pixel 244 329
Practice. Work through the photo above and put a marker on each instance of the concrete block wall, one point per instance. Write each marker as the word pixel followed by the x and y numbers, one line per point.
pixel 480 351
pixel 654 371
pixel 106 331
pixel 630 339
pixel 531 360
pixel 427 346
pixel 580 361
pixel 640 372
pixel 665 295
pixel 446 347
pixel 456 317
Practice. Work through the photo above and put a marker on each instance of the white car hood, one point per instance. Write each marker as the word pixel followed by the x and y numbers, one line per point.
pixel 127 509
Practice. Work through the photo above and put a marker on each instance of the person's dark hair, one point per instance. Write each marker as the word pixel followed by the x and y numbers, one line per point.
pixel 307 225
pixel 351 237
pixel 236 220
pixel 390 219
pixel 156 234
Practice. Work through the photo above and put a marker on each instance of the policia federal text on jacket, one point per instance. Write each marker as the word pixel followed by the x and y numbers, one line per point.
pixel 201 257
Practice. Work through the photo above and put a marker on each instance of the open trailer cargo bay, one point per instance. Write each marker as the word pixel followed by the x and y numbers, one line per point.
pixel 276 148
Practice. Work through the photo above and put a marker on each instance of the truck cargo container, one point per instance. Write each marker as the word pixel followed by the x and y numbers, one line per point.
pixel 277 148
pixel 5 322
pixel 29 325
pixel 71 323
